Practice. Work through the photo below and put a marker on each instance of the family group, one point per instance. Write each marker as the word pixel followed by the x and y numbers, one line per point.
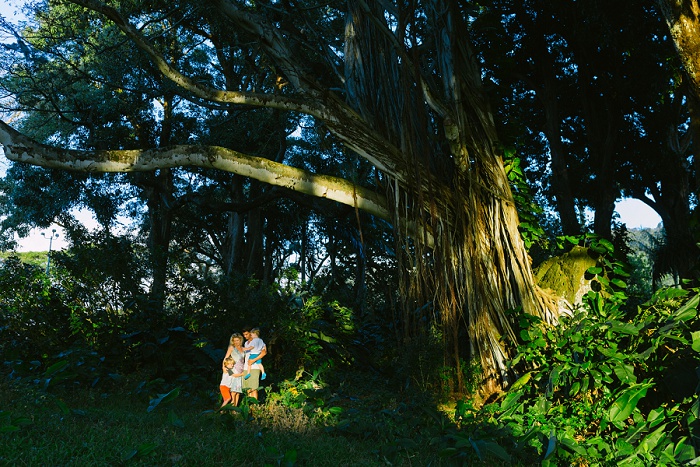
pixel 242 366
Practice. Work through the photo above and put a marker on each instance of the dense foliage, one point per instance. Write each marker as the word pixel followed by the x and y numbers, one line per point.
pixel 610 384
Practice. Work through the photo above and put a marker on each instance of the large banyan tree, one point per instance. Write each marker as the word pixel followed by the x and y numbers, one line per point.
pixel 398 83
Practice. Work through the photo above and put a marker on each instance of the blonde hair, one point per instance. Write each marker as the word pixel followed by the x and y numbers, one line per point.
pixel 229 362
pixel 235 335
pixel 255 331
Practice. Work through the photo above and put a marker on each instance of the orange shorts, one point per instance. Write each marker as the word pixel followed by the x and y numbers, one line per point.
pixel 225 392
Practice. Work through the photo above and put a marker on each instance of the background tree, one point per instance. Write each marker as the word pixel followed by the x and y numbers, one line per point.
pixel 418 114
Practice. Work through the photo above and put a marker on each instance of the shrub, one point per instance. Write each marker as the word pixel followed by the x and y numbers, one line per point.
pixel 593 389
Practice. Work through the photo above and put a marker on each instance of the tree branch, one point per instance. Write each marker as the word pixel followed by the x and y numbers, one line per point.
pixel 195 88
pixel 19 148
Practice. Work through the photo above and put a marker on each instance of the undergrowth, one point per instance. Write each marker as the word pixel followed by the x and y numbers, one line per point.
pixel 607 386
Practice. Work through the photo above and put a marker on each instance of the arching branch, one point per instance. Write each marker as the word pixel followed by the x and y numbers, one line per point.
pixel 19 148
pixel 340 118
pixel 197 89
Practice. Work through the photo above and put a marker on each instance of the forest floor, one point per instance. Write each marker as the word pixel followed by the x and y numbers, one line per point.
pixel 360 422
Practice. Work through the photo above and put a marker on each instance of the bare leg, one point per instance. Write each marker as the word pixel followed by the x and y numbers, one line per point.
pixel 226 394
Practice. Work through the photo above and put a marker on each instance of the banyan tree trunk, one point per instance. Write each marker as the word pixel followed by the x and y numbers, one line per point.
pixel 476 267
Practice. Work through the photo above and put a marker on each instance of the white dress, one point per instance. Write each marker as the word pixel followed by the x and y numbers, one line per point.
pixel 238 366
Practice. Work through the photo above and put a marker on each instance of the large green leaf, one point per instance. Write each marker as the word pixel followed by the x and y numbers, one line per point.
pixel 625 404
pixel 551 445
pixel 689 310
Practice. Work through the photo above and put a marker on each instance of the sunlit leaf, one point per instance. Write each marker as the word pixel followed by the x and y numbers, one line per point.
pixel 618 282
pixel 625 404
pixel 696 340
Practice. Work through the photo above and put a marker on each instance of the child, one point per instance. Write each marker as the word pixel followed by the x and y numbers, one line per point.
pixel 231 380
pixel 256 345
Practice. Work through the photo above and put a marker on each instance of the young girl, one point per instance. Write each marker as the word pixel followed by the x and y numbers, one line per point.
pixel 226 380
pixel 255 347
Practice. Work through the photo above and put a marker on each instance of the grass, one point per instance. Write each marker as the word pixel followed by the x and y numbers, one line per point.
pixel 87 427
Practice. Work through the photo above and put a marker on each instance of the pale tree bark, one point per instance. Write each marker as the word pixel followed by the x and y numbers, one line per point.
pixel 19 148
pixel 424 121
pixel 683 20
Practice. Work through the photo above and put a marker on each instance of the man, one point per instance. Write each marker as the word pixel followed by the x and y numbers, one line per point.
pixel 251 385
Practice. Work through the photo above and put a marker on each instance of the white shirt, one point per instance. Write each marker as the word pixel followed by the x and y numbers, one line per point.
pixel 258 346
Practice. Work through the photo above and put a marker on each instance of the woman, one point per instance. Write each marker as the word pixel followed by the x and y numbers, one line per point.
pixel 235 350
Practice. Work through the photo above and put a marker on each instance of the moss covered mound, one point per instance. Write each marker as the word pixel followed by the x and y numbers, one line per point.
pixel 564 275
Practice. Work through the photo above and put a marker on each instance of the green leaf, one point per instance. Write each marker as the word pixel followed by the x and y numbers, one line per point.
pixel 495 449
pixel 623 448
pixel 652 440
pixel 510 400
pixel 626 328
pixel 619 283
pixel 521 382
pixel 146 448
pixel 129 455
pixel 575 388
pixel 625 373
pixel 482 446
pixel 625 404
pixel 606 244
pixel 594 270
pixel 290 458
pixel 572 445
pixel 656 416
pixel 509 153
pixel 685 313
pixel 696 340
pixel 692 303
pixel 684 452
pixel 599 249
pixel 62 406
pixel 574 240
pixel 22 421
pixel 620 272
pixel 55 368
pixel 163 398
pixel 695 409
